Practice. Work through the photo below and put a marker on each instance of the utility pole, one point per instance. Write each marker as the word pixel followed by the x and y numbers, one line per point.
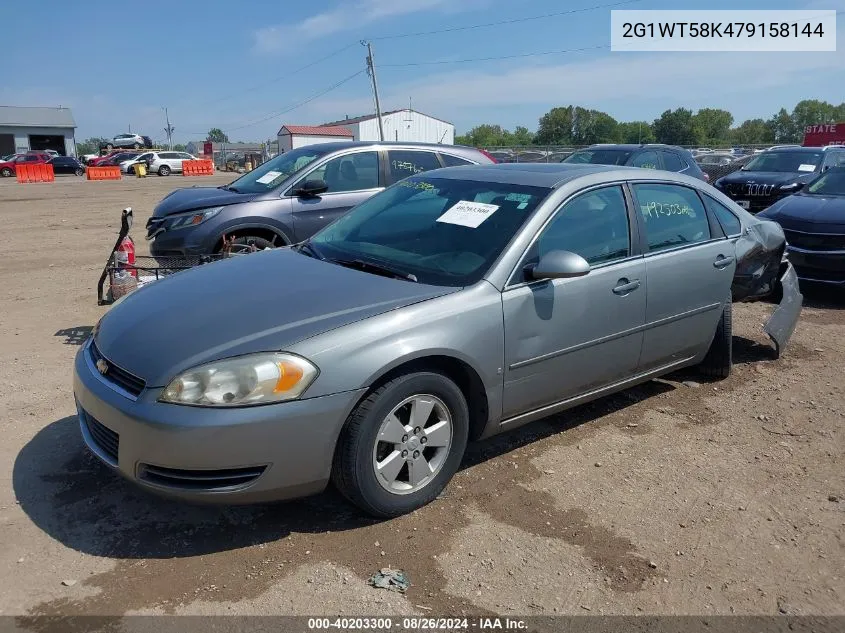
pixel 168 130
pixel 371 71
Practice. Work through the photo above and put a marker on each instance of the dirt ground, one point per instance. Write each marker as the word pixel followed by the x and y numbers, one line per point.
pixel 678 497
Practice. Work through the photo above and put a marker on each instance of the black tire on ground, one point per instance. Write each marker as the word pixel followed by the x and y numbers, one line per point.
pixel 260 243
pixel 719 359
pixel 136 146
pixel 353 471
pixel 6 172
pixel 79 171
pixel 164 170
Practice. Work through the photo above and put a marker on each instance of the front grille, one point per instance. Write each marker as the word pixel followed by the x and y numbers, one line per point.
pixel 209 480
pixel 815 241
pixel 820 274
pixel 114 374
pixel 758 199
pixel 105 439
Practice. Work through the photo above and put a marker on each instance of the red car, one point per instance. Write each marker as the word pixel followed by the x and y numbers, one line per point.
pixel 96 162
pixel 8 168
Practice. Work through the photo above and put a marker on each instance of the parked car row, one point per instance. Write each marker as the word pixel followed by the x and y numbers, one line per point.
pixel 651 156
pixel 61 164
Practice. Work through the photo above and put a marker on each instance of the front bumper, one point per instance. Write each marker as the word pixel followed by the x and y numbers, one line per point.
pixel 826 267
pixel 242 455
pixel 781 325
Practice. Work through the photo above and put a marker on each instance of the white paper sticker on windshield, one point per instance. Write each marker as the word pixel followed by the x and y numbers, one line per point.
pixel 806 168
pixel 467 213
pixel 269 177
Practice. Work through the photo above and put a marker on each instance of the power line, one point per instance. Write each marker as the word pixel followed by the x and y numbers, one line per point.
pixel 298 105
pixel 487 59
pixel 511 21
pixel 289 73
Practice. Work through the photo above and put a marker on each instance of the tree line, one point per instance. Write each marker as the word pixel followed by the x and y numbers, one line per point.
pixel 574 125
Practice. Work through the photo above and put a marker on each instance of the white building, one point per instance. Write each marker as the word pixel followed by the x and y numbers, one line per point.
pixel 293 136
pixel 399 125
pixel 23 129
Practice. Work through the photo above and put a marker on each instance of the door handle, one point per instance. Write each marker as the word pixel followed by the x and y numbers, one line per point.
pixel 723 262
pixel 624 286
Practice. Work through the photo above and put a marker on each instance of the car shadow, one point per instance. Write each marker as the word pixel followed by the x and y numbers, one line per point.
pixel 76 335
pixel 75 499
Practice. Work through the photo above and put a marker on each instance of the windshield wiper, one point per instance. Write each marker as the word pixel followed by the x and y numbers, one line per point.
pixel 306 249
pixel 378 269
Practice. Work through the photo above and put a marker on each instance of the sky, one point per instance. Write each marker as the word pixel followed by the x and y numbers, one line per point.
pixel 241 66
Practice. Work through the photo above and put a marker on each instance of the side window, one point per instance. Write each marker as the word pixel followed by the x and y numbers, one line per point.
pixel 673 162
pixel 647 159
pixel 353 172
pixel 730 223
pixel 185 156
pixel 454 161
pixel 674 216
pixel 169 155
pixel 403 163
pixel 594 225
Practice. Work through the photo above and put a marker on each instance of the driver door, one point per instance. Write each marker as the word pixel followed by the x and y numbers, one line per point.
pixel 351 178
pixel 567 337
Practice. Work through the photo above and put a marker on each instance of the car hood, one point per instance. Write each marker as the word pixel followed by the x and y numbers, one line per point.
pixel 252 303
pixel 767 177
pixel 198 198
pixel 803 212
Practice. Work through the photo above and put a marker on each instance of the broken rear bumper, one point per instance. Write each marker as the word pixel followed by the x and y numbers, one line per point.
pixel 781 324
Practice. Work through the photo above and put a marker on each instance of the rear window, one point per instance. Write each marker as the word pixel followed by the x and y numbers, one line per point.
pixel 673 162
pixel 599 157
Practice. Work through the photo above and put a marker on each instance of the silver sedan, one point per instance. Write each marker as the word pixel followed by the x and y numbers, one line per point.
pixel 457 304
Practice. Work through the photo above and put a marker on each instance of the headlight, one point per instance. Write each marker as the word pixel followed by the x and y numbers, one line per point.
pixel 245 380
pixel 181 220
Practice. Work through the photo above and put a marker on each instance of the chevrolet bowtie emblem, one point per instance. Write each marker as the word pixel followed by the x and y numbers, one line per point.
pixel 102 366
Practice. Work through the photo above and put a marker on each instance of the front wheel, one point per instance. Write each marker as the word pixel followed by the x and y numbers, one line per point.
pixel 164 170
pixel 109 146
pixel 402 444
pixel 79 171
pixel 6 172
pixel 136 146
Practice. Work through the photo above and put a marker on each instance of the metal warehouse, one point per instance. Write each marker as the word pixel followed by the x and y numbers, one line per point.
pixel 23 129
pixel 400 125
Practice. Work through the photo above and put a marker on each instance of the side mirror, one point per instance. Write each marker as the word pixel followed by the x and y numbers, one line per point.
pixel 311 188
pixel 559 265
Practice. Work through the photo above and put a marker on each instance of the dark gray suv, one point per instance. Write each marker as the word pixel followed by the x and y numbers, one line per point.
pixel 291 197
pixel 650 156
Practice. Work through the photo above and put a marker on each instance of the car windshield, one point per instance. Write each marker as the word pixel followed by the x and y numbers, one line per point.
pixel 785 162
pixel 831 183
pixel 599 157
pixel 272 173
pixel 436 231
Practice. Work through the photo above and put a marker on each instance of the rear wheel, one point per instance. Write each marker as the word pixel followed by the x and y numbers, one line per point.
pixel 402 444
pixel 79 171
pixel 6 172
pixel 109 146
pixel 136 146
pixel 719 359
pixel 164 170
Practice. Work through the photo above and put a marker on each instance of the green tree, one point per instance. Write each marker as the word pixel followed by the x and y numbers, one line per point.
pixel 783 128
pixel 216 135
pixel 556 127
pixel 522 136
pixel 90 145
pixel 712 125
pixel 675 127
pixel 812 112
pixel 752 132
pixel 635 132
pixel 179 147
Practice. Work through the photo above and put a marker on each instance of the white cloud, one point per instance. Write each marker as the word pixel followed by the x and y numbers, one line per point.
pixel 344 17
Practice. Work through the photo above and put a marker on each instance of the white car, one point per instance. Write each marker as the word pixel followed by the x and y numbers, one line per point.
pixel 135 141
pixel 161 163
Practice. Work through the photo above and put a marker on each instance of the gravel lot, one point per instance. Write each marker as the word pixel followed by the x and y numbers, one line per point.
pixel 674 497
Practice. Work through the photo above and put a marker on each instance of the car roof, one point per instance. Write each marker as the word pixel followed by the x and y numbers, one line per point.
pixel 550 175
pixel 799 148
pixel 340 145
pixel 633 146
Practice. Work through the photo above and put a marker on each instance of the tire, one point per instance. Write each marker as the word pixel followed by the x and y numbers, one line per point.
pixel 164 170
pixel 79 171
pixel 109 146
pixel 719 359
pixel 6 172
pixel 136 146
pixel 260 242
pixel 358 448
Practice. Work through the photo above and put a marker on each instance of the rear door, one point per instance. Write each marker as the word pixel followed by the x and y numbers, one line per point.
pixel 690 266
pixel 351 178
pixel 402 163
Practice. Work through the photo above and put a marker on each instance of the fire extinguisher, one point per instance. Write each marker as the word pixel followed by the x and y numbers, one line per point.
pixel 125 256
